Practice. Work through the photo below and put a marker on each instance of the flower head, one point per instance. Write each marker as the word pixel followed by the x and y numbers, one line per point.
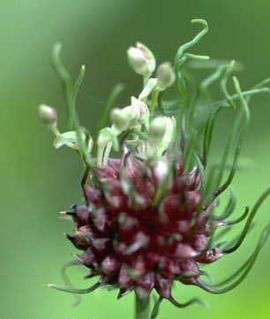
pixel 136 242
pixel 151 212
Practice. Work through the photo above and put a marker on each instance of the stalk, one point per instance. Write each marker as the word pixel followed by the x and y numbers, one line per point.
pixel 142 307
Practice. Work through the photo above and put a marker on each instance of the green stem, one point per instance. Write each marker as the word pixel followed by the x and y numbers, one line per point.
pixel 154 101
pixel 142 307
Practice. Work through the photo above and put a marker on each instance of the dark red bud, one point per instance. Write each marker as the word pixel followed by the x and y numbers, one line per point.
pixel 210 256
pixel 163 286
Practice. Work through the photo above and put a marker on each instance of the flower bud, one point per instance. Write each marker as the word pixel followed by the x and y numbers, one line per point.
pixel 141 59
pixel 47 114
pixel 119 119
pixel 158 128
pixel 141 109
pixel 165 76
pixel 161 170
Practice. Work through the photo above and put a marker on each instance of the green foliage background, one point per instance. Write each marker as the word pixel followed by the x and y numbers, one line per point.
pixel 37 181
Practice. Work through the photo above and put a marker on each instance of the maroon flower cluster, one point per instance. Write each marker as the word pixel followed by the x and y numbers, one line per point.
pixel 136 241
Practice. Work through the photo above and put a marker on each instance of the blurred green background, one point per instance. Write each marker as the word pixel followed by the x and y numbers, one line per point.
pixel 37 181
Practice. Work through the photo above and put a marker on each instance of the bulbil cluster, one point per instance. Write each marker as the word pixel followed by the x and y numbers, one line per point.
pixel 133 240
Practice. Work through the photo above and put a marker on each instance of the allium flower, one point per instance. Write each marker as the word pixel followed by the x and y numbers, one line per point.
pixel 152 194
pixel 165 76
pixel 141 60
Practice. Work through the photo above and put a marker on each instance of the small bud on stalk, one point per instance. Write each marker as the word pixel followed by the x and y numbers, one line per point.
pixel 158 128
pixel 119 119
pixel 47 114
pixel 165 76
pixel 141 60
